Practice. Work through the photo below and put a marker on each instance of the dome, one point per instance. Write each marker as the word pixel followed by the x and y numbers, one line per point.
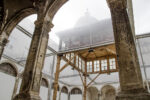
pixel 86 20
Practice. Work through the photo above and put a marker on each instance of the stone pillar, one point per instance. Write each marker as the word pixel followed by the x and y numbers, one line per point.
pixel 51 78
pixel 31 80
pixel 15 87
pixel 56 77
pixel 59 95
pixel 131 82
pixel 3 42
pixel 1 14
pixel 68 96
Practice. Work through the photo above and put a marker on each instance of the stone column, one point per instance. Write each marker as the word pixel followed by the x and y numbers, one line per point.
pixel 51 78
pixel 68 96
pixel 15 87
pixel 31 80
pixel 56 77
pixel 131 82
pixel 3 42
pixel 1 14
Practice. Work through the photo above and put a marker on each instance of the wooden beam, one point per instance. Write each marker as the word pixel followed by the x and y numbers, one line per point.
pixel 56 78
pixel 67 63
pixel 70 63
pixel 103 72
pixel 81 78
pixel 93 80
pixel 111 51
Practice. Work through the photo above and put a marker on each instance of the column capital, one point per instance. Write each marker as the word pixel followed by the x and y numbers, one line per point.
pixel 117 4
pixel 47 25
pixel 3 40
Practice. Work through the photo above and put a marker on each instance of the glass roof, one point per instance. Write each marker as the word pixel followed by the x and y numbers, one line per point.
pixel 66 23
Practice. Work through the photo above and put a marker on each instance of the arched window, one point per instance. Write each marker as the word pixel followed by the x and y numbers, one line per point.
pixel 8 69
pixel 76 91
pixel 44 89
pixel 64 93
pixel 8 74
pixel 92 93
pixel 64 90
pixel 76 94
pixel 108 92
pixel 44 83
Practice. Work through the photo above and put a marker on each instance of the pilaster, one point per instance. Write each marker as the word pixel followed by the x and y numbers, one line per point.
pixel 131 82
pixel 31 81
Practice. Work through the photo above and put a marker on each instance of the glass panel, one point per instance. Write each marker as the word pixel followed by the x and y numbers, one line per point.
pixel 104 64
pixel 112 63
pixel 89 66
pixel 96 65
pixel 18 46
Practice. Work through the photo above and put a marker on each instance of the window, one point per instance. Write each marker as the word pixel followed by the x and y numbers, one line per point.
pixel 104 64
pixel 80 61
pixel 96 65
pixel 68 56
pixel 77 61
pixel 112 63
pixel 83 66
pixel 72 55
pixel 89 66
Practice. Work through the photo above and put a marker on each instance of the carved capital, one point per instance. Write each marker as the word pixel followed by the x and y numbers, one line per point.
pixel 3 40
pixel 46 25
pixel 117 4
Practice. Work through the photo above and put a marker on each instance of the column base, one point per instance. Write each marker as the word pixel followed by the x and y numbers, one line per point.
pixel 133 96
pixel 27 96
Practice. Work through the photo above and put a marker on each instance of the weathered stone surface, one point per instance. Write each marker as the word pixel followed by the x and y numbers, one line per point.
pixel 129 69
pixel 131 82
pixel 1 13
pixel 3 42
pixel 137 96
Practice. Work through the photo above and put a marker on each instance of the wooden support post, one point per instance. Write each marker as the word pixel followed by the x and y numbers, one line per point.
pixel 108 65
pixel 85 82
pixel 85 88
pixel 56 78
pixel 92 65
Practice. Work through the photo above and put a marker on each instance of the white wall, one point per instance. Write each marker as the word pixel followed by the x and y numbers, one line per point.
pixel 7 83
pixel 64 96
pixel 76 97
pixel 43 93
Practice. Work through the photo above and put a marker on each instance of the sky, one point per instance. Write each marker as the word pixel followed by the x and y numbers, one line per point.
pixel 70 12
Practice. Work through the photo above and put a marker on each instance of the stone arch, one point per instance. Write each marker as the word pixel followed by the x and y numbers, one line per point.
pixel 9 68
pixel 55 7
pixel 64 90
pixel 10 25
pixel 63 93
pixel 45 82
pixel 108 92
pixel 76 91
pixel 92 93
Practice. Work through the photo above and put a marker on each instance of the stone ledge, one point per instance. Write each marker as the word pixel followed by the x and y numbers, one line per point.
pixel 138 96
pixel 26 96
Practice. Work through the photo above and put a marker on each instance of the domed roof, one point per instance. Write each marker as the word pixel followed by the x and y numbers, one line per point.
pixel 86 20
pixel 87 32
